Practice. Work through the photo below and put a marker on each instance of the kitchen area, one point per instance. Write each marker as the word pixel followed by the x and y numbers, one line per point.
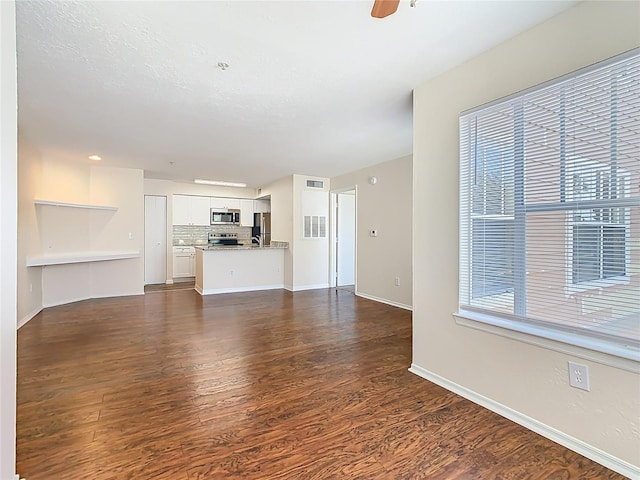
pixel 224 244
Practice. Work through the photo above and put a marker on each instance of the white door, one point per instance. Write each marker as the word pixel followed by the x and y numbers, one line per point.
pixel 346 242
pixel 155 239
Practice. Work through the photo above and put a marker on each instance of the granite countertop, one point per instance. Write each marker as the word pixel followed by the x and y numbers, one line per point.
pixel 278 245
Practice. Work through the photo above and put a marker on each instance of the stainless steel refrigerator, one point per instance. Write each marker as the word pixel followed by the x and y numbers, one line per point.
pixel 262 227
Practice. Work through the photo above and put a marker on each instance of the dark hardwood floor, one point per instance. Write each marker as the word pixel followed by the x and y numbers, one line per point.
pixel 261 385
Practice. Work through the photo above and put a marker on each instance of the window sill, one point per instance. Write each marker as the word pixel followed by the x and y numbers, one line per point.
pixel 576 345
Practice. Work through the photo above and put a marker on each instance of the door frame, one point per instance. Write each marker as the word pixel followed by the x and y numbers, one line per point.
pixel 333 232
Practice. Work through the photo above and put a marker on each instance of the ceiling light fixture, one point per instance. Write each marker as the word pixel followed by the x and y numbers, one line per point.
pixel 97 158
pixel 223 66
pixel 220 183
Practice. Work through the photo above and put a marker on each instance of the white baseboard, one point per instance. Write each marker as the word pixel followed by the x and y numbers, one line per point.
pixel 179 280
pixel 578 446
pixel 79 299
pixel 23 321
pixel 215 291
pixel 384 300
pixel 300 288
pixel 64 302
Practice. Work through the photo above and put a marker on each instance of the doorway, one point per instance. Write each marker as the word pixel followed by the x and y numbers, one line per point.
pixel 344 240
pixel 155 239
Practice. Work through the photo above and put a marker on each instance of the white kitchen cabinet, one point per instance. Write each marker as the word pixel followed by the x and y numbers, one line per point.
pixel 262 206
pixel 217 202
pixel 224 203
pixel 184 259
pixel 181 210
pixel 192 264
pixel 200 211
pixel 246 213
pixel 191 210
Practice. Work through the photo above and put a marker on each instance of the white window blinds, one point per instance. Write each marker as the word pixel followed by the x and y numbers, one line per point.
pixel 550 209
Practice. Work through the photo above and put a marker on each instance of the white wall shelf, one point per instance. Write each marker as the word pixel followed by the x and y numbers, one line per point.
pixel 75 205
pixel 79 257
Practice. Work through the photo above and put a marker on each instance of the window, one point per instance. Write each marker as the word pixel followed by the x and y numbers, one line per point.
pixel 550 209
pixel 599 249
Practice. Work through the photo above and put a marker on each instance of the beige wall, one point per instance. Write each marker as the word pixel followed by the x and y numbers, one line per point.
pixel 53 230
pixel 386 207
pixel 529 381
pixel 8 238
pixel 29 279
pixel 281 194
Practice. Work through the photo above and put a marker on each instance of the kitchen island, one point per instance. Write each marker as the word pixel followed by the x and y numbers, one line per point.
pixel 227 269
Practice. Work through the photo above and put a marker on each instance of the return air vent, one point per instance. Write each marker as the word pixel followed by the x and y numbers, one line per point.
pixel 315 226
pixel 315 184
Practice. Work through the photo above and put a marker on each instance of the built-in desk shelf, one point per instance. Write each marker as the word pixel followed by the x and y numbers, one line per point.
pixel 79 257
pixel 75 205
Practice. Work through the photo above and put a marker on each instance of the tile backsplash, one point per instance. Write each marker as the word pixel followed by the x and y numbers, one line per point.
pixel 199 235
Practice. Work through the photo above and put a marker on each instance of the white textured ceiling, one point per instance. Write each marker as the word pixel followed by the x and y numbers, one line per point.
pixel 313 87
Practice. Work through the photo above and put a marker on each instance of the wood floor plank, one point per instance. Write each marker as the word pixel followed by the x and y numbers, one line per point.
pixel 256 385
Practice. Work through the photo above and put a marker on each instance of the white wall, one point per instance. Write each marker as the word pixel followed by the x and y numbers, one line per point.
pixel 167 187
pixel 8 238
pixel 528 382
pixel 310 255
pixel 386 207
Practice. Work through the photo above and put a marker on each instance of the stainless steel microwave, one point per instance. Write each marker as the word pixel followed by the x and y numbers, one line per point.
pixel 225 217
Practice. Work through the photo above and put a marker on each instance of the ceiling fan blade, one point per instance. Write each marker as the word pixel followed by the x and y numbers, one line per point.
pixel 383 8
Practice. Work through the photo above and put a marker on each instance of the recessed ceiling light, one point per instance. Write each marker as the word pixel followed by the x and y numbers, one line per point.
pixel 220 183
pixel 97 158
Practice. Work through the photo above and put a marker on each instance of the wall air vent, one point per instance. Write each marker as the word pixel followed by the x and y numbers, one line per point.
pixel 315 226
pixel 315 184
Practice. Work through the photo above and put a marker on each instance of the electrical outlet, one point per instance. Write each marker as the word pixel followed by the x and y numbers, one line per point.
pixel 397 281
pixel 579 376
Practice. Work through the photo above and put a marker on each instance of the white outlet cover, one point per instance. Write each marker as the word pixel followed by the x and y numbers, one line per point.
pixel 579 376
